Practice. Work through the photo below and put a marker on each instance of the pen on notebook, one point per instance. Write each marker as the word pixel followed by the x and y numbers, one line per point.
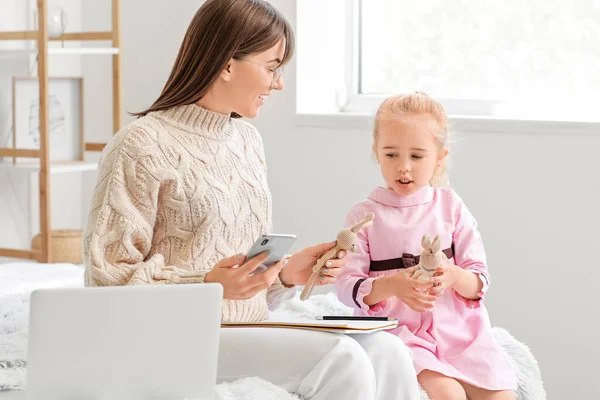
pixel 353 318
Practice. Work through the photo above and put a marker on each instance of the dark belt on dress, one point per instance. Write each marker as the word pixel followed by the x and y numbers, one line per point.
pixel 406 261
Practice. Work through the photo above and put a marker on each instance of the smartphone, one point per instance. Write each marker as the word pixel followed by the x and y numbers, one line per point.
pixel 278 245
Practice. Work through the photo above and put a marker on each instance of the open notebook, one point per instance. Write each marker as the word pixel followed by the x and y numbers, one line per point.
pixel 346 327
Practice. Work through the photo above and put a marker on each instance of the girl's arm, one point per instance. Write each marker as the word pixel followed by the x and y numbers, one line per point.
pixel 472 278
pixel 377 295
pixel 354 283
pixel 404 287
pixel 468 284
pixel 380 290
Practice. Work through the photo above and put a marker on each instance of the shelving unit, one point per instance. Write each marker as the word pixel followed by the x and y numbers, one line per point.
pixel 45 167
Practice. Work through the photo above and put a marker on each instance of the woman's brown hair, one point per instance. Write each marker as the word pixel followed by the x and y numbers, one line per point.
pixel 221 30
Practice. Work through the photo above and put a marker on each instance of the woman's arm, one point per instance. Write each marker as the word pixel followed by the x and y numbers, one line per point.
pixel 123 213
pixel 278 292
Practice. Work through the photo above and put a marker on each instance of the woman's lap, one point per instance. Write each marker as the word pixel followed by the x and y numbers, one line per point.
pixel 281 356
pixel 319 365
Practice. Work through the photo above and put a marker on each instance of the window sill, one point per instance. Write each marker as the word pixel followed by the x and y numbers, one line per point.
pixel 461 123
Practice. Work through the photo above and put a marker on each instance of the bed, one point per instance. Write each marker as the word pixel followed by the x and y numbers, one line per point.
pixel 17 280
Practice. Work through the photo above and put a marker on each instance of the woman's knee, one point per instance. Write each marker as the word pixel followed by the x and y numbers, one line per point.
pixel 439 386
pixel 350 356
pixel 351 350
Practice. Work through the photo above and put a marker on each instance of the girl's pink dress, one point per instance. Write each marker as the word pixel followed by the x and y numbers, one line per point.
pixel 455 338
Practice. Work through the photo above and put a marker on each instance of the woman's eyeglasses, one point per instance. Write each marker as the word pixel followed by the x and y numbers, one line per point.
pixel 277 71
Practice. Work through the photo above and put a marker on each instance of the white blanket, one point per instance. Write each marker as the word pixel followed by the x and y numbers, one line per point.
pixel 19 279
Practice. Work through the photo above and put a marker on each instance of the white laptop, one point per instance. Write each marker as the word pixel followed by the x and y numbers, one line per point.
pixel 128 342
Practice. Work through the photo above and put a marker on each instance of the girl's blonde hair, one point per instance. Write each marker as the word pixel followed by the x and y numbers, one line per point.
pixel 396 107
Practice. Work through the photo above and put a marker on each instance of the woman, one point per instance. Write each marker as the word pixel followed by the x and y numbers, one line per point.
pixel 182 193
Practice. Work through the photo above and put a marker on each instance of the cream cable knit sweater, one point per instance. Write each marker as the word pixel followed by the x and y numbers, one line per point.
pixel 177 191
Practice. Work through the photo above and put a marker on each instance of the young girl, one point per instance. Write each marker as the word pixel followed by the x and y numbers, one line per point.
pixel 443 321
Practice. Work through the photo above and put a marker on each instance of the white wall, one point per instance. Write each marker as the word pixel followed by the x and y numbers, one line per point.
pixel 533 194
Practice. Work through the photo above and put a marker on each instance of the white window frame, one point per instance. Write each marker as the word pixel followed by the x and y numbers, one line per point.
pixel 352 109
pixel 352 102
pixel 357 102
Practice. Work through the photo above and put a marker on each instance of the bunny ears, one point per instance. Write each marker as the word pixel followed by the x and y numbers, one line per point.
pixel 427 243
pixel 367 220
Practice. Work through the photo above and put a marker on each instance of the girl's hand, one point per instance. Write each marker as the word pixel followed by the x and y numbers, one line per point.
pixel 239 282
pixel 412 292
pixel 299 268
pixel 445 276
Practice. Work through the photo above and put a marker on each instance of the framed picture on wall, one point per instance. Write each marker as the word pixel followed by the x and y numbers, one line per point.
pixel 65 115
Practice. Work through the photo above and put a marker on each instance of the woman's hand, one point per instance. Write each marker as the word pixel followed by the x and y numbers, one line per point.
pixel 239 282
pixel 445 276
pixel 411 291
pixel 299 268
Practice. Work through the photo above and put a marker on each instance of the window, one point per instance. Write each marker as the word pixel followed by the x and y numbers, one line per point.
pixel 527 59
pixel 483 49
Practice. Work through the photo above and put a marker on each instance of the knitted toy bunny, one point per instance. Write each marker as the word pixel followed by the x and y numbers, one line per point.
pixel 431 257
pixel 346 240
